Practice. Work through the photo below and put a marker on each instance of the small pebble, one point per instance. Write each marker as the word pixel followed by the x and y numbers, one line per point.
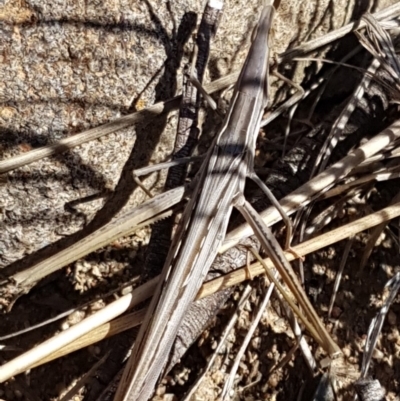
pixel 256 342
pixel 126 290
pixel 96 271
pixel 218 377
pixel 170 397
pixel 336 312
pixel 377 354
pixel 76 317
pixel 161 390
pixel 346 351
pixel 64 326
pixel 273 380
pixel 325 362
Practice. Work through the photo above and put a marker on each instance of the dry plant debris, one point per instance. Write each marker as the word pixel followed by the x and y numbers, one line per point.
pixel 71 66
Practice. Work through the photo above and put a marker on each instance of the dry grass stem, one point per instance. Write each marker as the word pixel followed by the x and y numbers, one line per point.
pixel 339 273
pixel 83 380
pixel 131 220
pixel 105 129
pixel 390 174
pixel 300 340
pixel 303 195
pixel 172 104
pixel 373 238
pixel 301 313
pixel 116 308
pixel 353 175
pixel 342 120
pixel 249 334
pixel 126 224
pixel 242 302
pixel 106 330
pixel 127 284
pixel 387 13
pixel 48 347
pixel 306 248
pixel 393 285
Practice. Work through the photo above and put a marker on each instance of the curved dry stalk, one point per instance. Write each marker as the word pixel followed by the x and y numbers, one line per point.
pixel 380 45
pixel 305 248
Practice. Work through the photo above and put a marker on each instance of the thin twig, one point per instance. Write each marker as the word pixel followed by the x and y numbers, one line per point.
pixel 81 382
pixel 171 104
pixel 319 184
pixel 339 125
pixel 105 129
pixel 250 331
pixel 338 277
pixel 69 311
pixel 387 13
pixel 300 197
pixel 373 237
pixel 126 224
pixel 242 302
pixel 377 322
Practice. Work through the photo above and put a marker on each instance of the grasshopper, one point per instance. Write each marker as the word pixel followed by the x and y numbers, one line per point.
pixel 220 185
